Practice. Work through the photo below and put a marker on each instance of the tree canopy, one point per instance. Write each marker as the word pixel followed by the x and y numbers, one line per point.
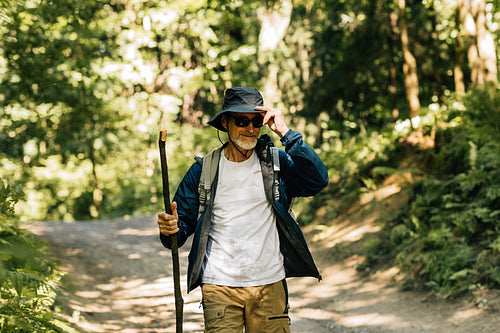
pixel 86 84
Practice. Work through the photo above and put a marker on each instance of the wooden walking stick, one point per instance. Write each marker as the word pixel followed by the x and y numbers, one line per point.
pixel 179 302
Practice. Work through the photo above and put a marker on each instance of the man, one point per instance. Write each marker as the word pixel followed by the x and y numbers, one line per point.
pixel 246 242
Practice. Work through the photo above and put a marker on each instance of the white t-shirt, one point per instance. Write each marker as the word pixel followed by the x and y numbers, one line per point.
pixel 243 245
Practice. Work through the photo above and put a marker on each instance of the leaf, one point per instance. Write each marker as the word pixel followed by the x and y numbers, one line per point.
pixel 462 274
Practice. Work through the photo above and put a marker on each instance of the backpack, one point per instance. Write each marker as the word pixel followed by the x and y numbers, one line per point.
pixel 210 166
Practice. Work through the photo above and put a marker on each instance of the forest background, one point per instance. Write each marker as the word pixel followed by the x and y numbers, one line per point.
pixel 379 88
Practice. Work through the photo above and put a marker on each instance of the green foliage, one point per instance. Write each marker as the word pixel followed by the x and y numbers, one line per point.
pixel 355 165
pixel 85 86
pixel 447 238
pixel 28 276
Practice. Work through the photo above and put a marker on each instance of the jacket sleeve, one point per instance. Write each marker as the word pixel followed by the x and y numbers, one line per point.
pixel 301 168
pixel 187 199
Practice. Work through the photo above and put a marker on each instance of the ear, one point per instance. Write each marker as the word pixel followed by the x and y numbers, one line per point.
pixel 223 121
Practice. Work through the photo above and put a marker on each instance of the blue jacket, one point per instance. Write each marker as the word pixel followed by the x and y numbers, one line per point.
pixel 301 174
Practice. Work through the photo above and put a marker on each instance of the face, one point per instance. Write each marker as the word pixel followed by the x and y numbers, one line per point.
pixel 243 137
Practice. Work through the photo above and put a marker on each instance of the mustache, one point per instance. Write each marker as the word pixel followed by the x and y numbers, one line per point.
pixel 248 134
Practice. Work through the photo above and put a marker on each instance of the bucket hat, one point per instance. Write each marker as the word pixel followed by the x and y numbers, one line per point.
pixel 240 100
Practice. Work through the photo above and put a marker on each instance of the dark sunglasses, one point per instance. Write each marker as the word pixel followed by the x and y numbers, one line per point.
pixel 243 121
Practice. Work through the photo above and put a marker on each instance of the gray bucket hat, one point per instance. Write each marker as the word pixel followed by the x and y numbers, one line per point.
pixel 238 99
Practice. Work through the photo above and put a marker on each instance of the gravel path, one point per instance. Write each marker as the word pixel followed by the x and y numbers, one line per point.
pixel 120 280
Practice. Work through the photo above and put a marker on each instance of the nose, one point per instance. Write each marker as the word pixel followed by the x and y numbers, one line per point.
pixel 251 127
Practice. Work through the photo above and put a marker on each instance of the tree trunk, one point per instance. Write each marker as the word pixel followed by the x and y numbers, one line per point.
pixel 95 208
pixel 393 87
pixel 481 51
pixel 187 114
pixel 459 58
pixel 410 64
pixel 274 23
pixel 435 55
pixel 485 43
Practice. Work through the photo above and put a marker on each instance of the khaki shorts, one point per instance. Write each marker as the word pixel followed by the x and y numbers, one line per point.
pixel 257 309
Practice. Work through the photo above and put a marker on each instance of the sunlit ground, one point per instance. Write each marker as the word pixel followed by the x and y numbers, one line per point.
pixel 121 277
pixel 120 281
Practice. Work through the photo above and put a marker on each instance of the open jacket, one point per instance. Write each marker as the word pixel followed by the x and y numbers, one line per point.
pixel 301 174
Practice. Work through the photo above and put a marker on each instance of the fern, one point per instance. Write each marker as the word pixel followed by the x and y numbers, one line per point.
pixel 448 238
pixel 28 276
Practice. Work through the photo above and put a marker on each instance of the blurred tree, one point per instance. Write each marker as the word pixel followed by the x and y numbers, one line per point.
pixel 54 98
pixel 459 55
pixel 410 63
pixel 434 53
pixel 481 51
pixel 274 25
pixel 353 64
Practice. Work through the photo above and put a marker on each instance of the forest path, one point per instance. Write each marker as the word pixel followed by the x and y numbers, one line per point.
pixel 120 280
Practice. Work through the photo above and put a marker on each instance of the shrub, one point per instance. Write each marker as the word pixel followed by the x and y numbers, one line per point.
pixel 28 276
pixel 447 238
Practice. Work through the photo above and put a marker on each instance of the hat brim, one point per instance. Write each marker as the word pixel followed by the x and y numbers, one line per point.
pixel 216 121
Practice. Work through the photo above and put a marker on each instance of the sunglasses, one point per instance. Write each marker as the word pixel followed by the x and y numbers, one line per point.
pixel 243 121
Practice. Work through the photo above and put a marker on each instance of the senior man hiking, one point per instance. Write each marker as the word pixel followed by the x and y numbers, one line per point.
pixel 246 242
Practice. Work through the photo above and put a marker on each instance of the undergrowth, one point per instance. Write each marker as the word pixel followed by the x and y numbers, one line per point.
pixel 28 276
pixel 447 239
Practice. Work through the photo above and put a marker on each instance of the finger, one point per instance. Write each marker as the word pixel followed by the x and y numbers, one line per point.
pixel 268 115
pixel 167 220
pixel 261 108
pixel 168 232
pixel 168 227
pixel 173 206
pixel 167 223
pixel 162 216
pixel 171 230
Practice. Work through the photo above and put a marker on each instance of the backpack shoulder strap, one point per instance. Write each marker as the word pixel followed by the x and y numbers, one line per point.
pixel 269 154
pixel 210 165
pixel 276 158
pixel 276 169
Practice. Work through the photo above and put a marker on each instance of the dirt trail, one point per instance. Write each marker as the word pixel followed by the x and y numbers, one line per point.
pixel 120 280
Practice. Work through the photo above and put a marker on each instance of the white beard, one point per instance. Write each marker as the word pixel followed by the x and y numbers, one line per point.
pixel 245 144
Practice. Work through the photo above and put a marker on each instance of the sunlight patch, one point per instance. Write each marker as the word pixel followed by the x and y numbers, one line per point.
pixel 372 319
